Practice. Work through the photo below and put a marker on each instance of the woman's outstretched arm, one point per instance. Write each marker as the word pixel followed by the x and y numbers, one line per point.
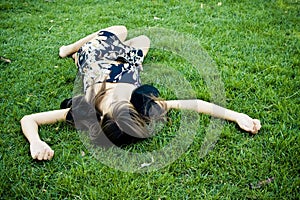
pixel 38 148
pixel 244 121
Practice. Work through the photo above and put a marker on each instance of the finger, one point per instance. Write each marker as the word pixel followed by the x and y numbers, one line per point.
pixel 46 155
pixel 41 155
pixel 50 154
pixel 34 155
pixel 257 123
pixel 254 131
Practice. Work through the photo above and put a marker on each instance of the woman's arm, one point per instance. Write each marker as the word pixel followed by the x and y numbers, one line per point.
pixel 38 148
pixel 244 121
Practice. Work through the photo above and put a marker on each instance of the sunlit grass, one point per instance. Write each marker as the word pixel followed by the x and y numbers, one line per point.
pixel 255 45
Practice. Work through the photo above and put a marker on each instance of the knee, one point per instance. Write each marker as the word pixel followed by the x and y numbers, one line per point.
pixel 145 39
pixel 123 28
pixel 120 29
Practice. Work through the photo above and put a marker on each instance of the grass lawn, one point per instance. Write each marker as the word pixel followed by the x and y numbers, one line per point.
pixel 255 46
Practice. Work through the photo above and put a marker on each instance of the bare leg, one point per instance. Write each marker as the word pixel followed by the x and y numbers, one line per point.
pixel 141 42
pixel 119 31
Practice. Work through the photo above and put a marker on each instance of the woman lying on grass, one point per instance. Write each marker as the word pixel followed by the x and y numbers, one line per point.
pixel 115 107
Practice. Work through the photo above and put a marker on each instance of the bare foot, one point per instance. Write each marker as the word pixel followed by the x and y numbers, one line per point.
pixel 64 51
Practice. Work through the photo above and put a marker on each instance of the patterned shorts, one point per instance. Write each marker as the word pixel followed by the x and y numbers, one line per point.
pixel 106 58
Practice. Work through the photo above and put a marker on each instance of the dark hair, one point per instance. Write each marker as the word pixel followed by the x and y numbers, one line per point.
pixel 125 124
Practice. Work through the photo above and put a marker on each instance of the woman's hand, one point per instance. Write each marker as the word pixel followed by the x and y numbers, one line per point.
pixel 247 123
pixel 40 150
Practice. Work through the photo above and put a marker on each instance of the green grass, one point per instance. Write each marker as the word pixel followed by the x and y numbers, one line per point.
pixel 255 45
